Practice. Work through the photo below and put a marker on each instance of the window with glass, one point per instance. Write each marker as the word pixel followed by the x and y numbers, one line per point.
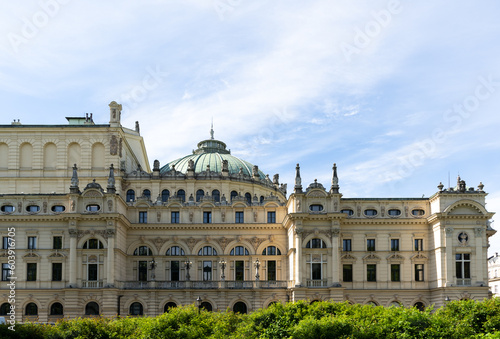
pixel 93 208
pixel 419 272
pixel 271 270
pixel 32 208
pixel 248 197
pixel 239 270
pixel 4 309
pixel 182 195
pixel 316 208
pixel 58 208
pixel 31 309
pixel 56 309
pixel 238 218
pixel 347 211
pixel 216 195
pixel 31 243
pixel 271 217
pixel 130 195
pixel 347 272
pixel 57 243
pixel 371 272
pixel 136 309
pixel 418 212
pixel 174 217
pixel 207 270
pixel 143 217
pixel 394 212
pixel 346 245
pixel 175 270
pixel 394 244
pixel 207 250
pixel 5 272
pixel 207 217
pixel 7 208
pixel 316 243
pixel 419 244
pixel 143 250
pixel 371 212
pixel 239 250
pixel 271 250
pixel 316 271
pixel 93 244
pixel 142 270
pixel 261 199
pixel 234 194
pixel 31 272
pixel 370 245
pixel 56 271
pixel 146 193
pixel 5 243
pixel 165 194
pixel 462 263
pixel 175 250
pixel 395 272
pixel 92 271
pixel 199 195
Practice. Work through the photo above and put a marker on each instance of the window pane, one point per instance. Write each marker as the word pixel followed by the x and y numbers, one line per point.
pixel 174 270
pixel 316 272
pixel 57 243
pixel 31 270
pixel 371 272
pixel 394 244
pixel 370 244
pixel 346 245
pixel 56 271
pixel 239 270
pixel 271 270
pixel 207 270
pixel 347 273
pixel 143 271
pixel 395 269
pixel 92 276
pixel 174 217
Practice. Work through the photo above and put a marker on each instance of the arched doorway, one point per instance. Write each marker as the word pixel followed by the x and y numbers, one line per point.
pixel 92 308
pixel 240 307
pixel 168 306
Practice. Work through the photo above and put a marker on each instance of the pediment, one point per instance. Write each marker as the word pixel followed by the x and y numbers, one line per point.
pixel 371 257
pixel 419 256
pixel 395 256
pixel 348 257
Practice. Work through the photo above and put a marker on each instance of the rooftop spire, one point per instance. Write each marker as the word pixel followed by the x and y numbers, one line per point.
pixel 212 130
pixel 298 180
pixel 335 180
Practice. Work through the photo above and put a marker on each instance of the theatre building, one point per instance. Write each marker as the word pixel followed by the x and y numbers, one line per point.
pixel 100 232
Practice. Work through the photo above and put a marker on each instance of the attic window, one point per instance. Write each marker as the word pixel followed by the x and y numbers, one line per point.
pixel 347 211
pixel 33 208
pixel 371 212
pixel 418 212
pixel 93 208
pixel 58 208
pixel 7 208
pixel 316 207
pixel 394 212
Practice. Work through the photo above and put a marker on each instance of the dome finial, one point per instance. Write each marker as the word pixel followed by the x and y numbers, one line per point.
pixel 212 130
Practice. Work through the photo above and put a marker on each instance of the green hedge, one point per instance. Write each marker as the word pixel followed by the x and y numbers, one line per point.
pixel 299 320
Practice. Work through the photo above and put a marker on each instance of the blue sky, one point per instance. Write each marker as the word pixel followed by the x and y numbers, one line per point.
pixel 400 95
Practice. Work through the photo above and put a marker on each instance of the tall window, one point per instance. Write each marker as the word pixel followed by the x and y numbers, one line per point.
pixel 136 309
pixel 346 245
pixel 56 271
pixel 5 272
pixel 31 243
pixel 248 197
pixel 130 195
pixel 165 194
pixel 316 243
pixel 174 217
pixel 239 270
pixel 31 272
pixel 5 243
pixel 271 270
pixel 146 193
pixel 207 217
pixel 142 270
pixel 92 272
pixel 370 245
pixel 419 244
pixel 199 195
pixel 182 195
pixel 462 262
pixel 216 195
pixel 207 270
pixel 271 217
pixel 234 194
pixel 238 218
pixel 419 272
pixel 57 243
pixel 316 271
pixel 395 272
pixel 394 244
pixel 371 272
pixel 347 272
pixel 174 270
pixel 143 217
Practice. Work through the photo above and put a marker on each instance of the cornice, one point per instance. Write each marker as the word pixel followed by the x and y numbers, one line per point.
pixel 206 227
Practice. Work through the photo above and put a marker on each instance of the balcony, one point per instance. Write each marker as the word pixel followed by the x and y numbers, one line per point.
pixel 464 282
pixel 317 283
pixel 202 285
pixel 92 284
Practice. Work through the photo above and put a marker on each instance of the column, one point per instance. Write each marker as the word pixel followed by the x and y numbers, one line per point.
pixel 72 257
pixel 450 260
pixel 110 274
pixel 335 262
pixel 298 257
pixel 478 263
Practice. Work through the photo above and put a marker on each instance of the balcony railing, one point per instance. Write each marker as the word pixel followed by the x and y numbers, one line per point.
pixel 317 283
pixel 92 283
pixel 464 282
pixel 195 284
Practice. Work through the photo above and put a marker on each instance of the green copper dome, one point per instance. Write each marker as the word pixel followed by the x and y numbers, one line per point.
pixel 212 153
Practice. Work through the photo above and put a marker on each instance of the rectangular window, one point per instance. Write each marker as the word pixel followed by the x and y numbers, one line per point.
pixel 207 217
pixel 371 272
pixel 370 245
pixel 394 244
pixel 5 272
pixel 346 245
pixel 238 218
pixel 142 271
pixel 174 217
pixel 271 217
pixel 207 270
pixel 271 270
pixel 31 272
pixel 347 273
pixel 174 271
pixel 316 272
pixel 57 243
pixel 239 270
pixel 31 243
pixel 419 272
pixel 463 265
pixel 395 272
pixel 143 217
pixel 419 244
pixel 92 272
pixel 5 243
pixel 56 271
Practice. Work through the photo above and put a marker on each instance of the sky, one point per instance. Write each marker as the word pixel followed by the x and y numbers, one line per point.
pixel 400 95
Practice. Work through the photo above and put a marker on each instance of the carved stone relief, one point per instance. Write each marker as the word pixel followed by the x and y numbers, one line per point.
pixel 113 145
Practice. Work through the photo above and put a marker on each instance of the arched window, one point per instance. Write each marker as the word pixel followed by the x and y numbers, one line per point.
pixel 316 208
pixel 92 308
pixel 216 195
pixel 4 309
pixel 168 306
pixel 261 199
pixel 130 195
pixel 143 250
pixel 165 194
pixel 175 250
pixel 31 309
pixel 182 195
pixel 347 211
pixel 206 306
pixel 239 250
pixel 93 244
pixel 316 243
pixel 136 309
pixel 271 250
pixel 234 194
pixel 56 309
pixel 240 307
pixel 199 194
pixel 146 193
pixel 207 250
pixel 419 305
pixel 248 196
